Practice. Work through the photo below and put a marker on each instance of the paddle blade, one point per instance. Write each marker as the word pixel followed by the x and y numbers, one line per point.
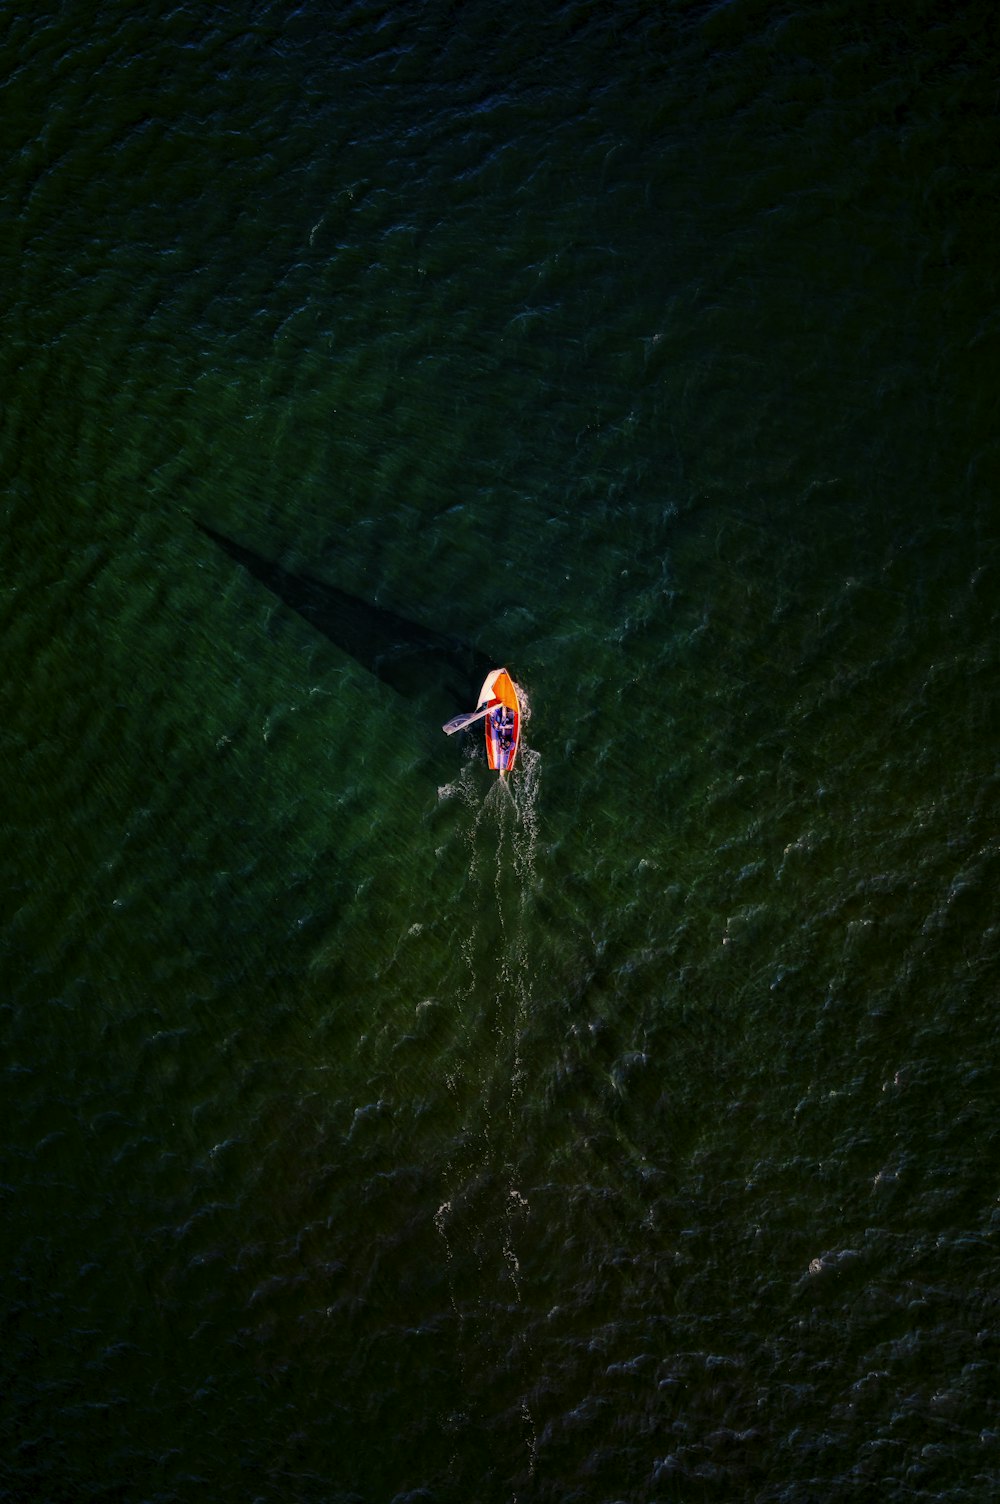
pixel 461 721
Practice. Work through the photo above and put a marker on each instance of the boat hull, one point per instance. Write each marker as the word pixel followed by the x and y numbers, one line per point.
pixel 503 724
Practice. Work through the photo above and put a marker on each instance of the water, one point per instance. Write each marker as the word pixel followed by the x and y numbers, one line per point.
pixel 373 1130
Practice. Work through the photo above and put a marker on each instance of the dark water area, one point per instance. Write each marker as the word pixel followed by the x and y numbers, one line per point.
pixel 374 1130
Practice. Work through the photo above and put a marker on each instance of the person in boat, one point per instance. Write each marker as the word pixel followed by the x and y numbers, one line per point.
pixel 503 721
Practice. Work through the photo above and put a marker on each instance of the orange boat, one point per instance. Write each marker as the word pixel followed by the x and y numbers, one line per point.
pixel 503 724
pixel 499 708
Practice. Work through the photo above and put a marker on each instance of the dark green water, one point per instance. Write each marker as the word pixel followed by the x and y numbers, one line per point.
pixel 373 1131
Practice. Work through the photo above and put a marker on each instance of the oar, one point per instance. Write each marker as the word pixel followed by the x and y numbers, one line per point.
pixel 461 721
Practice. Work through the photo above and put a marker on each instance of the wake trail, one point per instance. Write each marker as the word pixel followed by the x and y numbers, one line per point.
pixel 502 837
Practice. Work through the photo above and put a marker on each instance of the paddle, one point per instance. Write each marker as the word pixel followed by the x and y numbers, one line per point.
pixel 461 721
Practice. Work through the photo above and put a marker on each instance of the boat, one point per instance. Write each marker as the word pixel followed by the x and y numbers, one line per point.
pixel 503 724
pixel 500 710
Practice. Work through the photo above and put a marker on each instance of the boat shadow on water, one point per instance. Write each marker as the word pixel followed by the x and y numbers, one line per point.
pixel 412 659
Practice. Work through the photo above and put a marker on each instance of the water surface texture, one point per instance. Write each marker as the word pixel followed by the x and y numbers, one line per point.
pixel 374 1130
